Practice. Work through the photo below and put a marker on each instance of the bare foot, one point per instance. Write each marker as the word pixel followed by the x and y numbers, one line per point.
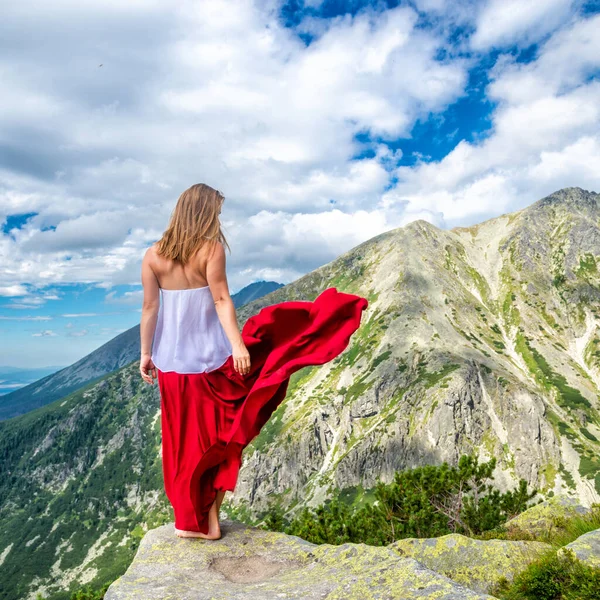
pixel 182 533
pixel 214 529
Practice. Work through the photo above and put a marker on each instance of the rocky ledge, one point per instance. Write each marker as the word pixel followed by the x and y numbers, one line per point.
pixel 249 562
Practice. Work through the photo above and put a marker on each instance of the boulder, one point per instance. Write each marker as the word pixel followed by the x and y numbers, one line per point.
pixel 477 564
pixel 586 548
pixel 547 516
pixel 249 562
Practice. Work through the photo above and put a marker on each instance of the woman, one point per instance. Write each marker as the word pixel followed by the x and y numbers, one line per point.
pixel 219 386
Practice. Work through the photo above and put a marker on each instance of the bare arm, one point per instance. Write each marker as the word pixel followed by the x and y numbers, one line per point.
pixel 217 280
pixel 150 307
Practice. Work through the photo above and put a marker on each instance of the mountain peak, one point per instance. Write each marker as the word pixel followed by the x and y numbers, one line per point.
pixel 421 226
pixel 569 196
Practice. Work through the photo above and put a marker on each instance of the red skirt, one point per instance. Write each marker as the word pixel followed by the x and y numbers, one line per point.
pixel 207 419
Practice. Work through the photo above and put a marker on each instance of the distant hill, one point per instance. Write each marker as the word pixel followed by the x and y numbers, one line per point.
pixel 111 356
pixel 255 290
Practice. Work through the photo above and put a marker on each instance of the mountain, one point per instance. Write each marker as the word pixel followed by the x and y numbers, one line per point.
pixel 477 339
pixel 109 357
pixel 255 290
pixel 117 352
pixel 480 338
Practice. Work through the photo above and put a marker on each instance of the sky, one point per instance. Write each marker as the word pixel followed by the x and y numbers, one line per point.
pixel 324 123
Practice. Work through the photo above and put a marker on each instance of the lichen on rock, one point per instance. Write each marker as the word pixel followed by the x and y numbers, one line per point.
pixel 586 548
pixel 477 564
pixel 249 562
pixel 547 517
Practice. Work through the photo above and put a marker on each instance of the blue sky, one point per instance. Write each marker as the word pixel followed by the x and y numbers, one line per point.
pixel 324 123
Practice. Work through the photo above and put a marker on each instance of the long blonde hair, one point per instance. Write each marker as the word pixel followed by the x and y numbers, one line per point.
pixel 194 222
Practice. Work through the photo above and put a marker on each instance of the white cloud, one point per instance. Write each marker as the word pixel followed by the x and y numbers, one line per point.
pixel 128 298
pixel 225 94
pixel 13 290
pixel 576 165
pixel 222 94
pixel 504 22
pixel 38 318
pixel 539 142
pixel 565 61
pixel 97 230
pixel 80 333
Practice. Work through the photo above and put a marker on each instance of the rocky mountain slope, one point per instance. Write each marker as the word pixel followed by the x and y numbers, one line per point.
pixel 116 353
pixel 482 338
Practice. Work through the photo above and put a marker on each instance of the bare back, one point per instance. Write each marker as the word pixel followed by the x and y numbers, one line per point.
pixel 174 276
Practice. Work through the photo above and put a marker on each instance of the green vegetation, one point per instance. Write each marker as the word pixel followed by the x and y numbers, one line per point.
pixel 566 531
pixel 351 271
pixel 383 356
pixel 552 577
pixel 592 352
pixel 480 283
pixel 567 476
pixel 509 310
pixel 589 435
pixel 430 379
pixel 85 593
pixel 365 339
pixel 587 266
pixel 270 430
pixel 70 490
pixel 358 387
pixel 426 501
pixel 239 512
pixel 588 466
pixel 547 317
pixel 569 397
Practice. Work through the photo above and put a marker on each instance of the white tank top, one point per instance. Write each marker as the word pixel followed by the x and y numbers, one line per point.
pixel 189 337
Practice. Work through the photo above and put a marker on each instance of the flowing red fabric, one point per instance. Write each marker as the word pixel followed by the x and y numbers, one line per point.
pixel 208 418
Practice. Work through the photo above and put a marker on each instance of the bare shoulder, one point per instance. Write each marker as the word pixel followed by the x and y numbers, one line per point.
pixel 215 250
pixel 151 253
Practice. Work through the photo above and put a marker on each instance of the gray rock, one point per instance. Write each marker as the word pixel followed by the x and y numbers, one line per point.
pixel 477 564
pixel 547 516
pixel 587 548
pixel 248 562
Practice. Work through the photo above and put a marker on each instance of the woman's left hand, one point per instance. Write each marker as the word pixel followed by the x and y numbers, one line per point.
pixel 147 369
